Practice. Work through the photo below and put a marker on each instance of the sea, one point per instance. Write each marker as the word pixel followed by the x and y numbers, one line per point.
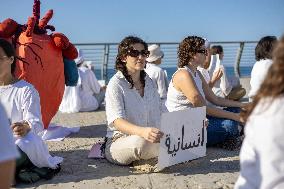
pixel 245 71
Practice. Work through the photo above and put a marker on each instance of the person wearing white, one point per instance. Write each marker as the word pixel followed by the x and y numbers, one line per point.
pixel 221 84
pixel 91 93
pixel 262 152
pixel 258 74
pixel 132 107
pixel 156 73
pixel 8 151
pixel 21 103
pixel 188 89
pixel 263 56
pixel 87 95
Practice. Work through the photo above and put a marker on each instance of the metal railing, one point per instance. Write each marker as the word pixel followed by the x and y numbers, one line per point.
pixel 238 55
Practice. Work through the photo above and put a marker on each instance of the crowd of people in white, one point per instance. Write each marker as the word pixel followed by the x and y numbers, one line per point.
pixel 139 93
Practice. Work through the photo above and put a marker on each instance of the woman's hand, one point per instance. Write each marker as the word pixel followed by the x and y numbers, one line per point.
pixel 20 129
pixel 152 134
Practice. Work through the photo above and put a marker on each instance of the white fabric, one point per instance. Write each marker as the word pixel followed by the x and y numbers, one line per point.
pixel 58 132
pixel 21 102
pixel 258 74
pixel 176 100
pixel 262 152
pixel 8 149
pixel 79 60
pixel 204 73
pixel 159 78
pixel 81 97
pixel 89 87
pixel 71 102
pixel 124 102
pixel 222 87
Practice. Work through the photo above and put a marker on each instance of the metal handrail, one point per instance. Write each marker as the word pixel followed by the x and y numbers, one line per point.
pixel 236 53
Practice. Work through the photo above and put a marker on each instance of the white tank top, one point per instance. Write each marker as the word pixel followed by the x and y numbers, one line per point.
pixel 176 100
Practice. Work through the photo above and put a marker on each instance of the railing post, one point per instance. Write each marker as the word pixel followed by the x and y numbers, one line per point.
pixel 238 60
pixel 105 63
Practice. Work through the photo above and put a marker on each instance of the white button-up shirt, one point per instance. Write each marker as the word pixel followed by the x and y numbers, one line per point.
pixel 124 102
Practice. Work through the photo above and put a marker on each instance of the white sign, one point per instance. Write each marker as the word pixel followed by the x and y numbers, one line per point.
pixel 185 136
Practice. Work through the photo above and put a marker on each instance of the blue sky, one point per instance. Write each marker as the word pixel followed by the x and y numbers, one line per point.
pixel 96 21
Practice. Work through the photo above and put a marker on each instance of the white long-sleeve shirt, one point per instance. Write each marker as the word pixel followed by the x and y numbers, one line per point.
pixel 262 152
pixel 258 74
pixel 124 102
pixel 21 102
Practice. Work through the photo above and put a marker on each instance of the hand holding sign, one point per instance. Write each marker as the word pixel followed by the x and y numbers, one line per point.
pixel 152 134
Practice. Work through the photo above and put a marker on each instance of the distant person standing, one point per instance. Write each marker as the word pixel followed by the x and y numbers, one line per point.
pixel 156 73
pixel 263 56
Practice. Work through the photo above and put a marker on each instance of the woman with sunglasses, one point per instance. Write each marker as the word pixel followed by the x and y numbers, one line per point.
pixel 188 89
pixel 133 107
pixel 21 103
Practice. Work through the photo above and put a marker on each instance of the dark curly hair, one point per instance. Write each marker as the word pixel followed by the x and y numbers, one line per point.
pixel 9 51
pixel 264 48
pixel 273 84
pixel 123 48
pixel 188 48
pixel 217 49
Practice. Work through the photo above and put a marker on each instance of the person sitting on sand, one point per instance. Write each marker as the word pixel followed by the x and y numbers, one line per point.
pixel 262 152
pixel 188 89
pixel 87 95
pixel 22 105
pixel 133 107
pixel 215 75
pixel 91 93
pixel 263 56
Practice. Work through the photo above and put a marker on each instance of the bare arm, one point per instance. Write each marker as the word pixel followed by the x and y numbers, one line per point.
pixel 184 82
pixel 211 97
pixel 220 113
pixel 149 133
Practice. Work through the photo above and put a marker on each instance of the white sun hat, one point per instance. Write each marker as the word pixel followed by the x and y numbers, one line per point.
pixel 79 60
pixel 155 53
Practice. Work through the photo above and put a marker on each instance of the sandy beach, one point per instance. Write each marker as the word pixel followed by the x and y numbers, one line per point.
pixel 219 169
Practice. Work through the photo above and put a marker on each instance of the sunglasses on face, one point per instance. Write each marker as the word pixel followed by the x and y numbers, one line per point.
pixel 136 53
pixel 202 51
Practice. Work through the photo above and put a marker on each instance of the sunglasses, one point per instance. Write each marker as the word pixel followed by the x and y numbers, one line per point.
pixel 202 51
pixel 136 53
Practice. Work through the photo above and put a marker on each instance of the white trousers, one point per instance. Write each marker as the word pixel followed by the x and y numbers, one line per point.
pixel 127 149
